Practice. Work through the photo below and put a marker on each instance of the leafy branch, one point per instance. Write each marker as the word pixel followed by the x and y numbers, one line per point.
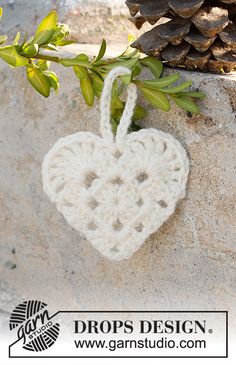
pixel 52 35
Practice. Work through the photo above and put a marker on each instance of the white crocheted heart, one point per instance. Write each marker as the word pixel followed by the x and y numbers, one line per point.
pixel 116 192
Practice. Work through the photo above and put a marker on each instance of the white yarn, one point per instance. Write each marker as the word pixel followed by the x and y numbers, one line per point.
pixel 116 191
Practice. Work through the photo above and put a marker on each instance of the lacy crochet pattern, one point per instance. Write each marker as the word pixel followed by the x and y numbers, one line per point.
pixel 116 190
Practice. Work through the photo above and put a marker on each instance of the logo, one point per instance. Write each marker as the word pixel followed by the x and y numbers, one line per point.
pixel 34 325
pixel 117 334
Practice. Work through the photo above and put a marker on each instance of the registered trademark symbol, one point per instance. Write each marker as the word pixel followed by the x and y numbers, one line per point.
pixel 210 330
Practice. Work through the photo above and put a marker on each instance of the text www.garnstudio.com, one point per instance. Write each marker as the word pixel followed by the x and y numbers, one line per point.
pixel 162 343
pixel 145 328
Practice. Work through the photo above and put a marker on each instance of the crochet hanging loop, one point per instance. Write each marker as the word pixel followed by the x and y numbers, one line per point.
pixel 105 106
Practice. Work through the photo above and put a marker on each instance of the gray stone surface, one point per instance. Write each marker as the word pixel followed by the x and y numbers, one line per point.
pixel 188 264
pixel 90 20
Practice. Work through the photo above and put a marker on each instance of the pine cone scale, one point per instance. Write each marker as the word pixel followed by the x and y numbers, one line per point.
pixel 228 36
pixel 195 58
pixel 175 54
pixel 200 34
pixel 186 8
pixel 154 10
pixel 151 42
pixel 175 30
pixel 229 1
pixel 199 41
pixel 211 21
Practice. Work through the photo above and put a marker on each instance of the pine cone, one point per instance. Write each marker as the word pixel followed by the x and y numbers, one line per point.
pixel 197 34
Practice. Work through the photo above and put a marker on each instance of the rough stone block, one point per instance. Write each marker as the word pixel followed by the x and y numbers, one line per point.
pixel 188 264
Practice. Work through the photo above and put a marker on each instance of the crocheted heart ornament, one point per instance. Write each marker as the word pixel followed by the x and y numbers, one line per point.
pixel 117 190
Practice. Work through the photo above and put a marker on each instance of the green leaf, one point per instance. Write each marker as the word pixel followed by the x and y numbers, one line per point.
pixel 116 103
pixel 46 28
pixel 134 127
pixel 177 89
pixel 97 83
pixel 156 98
pixel 114 123
pixel 17 38
pixel 58 35
pixel 136 70
pixel 26 42
pixel 53 79
pixel 126 79
pixel 87 91
pixel 186 104
pixel 127 63
pixel 43 65
pixel 154 65
pixel 162 82
pixel 97 93
pixel 101 51
pixel 131 38
pixel 61 31
pixel 3 39
pixel 81 72
pixel 194 94
pixel 139 112
pixel 64 42
pixel 30 40
pixel 119 90
pixel 30 50
pixel 39 81
pixel 80 60
pixel 10 55
pixel 50 46
pixel 128 53
pixel 96 73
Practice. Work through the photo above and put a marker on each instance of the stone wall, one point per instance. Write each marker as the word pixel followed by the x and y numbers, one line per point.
pixel 189 264
pixel 191 257
pixel 90 21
